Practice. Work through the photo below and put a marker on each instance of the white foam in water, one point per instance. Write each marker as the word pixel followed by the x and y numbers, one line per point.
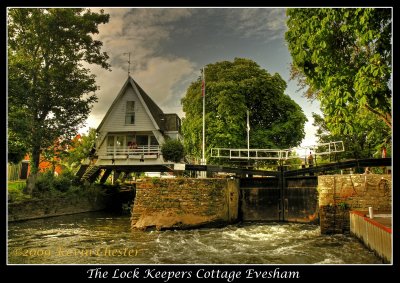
pixel 331 261
pixel 252 243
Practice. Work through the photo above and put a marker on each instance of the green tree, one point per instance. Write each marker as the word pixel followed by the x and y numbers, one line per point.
pixel 232 88
pixel 344 57
pixel 365 141
pixel 81 148
pixel 55 153
pixel 50 92
pixel 173 150
pixel 16 148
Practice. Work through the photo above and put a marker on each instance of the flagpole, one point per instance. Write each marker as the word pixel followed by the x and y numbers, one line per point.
pixel 248 135
pixel 203 160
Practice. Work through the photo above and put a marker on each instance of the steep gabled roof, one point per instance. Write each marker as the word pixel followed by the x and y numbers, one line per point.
pixel 155 113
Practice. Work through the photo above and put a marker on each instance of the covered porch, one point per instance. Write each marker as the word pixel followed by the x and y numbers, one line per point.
pixel 134 146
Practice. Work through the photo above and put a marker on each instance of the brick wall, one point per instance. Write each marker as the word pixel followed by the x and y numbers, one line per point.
pixel 338 194
pixel 185 203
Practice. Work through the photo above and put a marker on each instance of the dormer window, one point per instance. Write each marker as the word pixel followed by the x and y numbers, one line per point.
pixel 130 113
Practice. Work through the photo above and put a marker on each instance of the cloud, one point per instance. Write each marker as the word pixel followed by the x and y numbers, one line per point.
pixel 110 83
pixel 115 25
pixel 267 23
pixel 140 32
pixel 162 75
pixel 310 138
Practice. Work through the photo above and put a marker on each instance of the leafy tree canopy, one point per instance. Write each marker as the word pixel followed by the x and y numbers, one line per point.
pixel 232 88
pixel 16 148
pixel 365 141
pixel 173 150
pixel 344 57
pixel 50 91
pixel 81 148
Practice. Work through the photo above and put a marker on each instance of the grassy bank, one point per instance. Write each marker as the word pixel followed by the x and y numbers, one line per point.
pixel 15 191
pixel 49 186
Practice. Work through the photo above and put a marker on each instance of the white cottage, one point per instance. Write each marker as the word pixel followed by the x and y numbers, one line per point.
pixel 133 129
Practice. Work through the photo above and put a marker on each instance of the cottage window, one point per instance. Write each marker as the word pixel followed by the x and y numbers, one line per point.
pixel 130 113
pixel 120 141
pixel 142 140
pixel 153 140
pixel 130 139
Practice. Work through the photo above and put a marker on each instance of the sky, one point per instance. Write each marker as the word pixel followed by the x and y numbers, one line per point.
pixel 169 46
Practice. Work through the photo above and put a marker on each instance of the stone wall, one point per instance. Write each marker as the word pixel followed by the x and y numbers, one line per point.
pixel 41 208
pixel 185 203
pixel 338 194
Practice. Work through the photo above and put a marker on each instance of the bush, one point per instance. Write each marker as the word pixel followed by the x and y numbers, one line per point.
pixel 76 191
pixel 94 190
pixel 62 183
pixel 48 183
pixel 71 176
pixel 172 150
pixel 50 186
pixel 44 182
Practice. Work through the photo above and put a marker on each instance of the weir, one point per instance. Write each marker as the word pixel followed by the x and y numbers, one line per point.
pixel 265 199
pixel 324 200
pixel 186 203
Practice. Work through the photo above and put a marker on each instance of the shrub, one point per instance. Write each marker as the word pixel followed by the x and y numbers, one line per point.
pixel 94 190
pixel 62 183
pixel 172 150
pixel 47 182
pixel 76 191
pixel 44 182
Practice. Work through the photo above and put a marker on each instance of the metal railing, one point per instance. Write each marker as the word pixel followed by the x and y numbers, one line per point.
pixel 139 150
pixel 277 154
pixel 244 153
pixel 323 148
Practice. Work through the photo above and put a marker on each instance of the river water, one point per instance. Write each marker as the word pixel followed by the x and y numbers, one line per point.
pixel 104 238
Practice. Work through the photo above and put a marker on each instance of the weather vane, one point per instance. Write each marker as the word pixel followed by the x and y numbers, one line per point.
pixel 129 63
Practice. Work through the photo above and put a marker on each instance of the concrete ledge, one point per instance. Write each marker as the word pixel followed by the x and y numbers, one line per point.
pixel 42 208
pixel 373 234
pixel 376 221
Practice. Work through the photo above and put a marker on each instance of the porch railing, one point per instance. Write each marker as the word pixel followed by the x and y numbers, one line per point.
pixel 139 150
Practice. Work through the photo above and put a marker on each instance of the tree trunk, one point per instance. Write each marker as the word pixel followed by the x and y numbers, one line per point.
pixel 30 181
pixel 35 159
